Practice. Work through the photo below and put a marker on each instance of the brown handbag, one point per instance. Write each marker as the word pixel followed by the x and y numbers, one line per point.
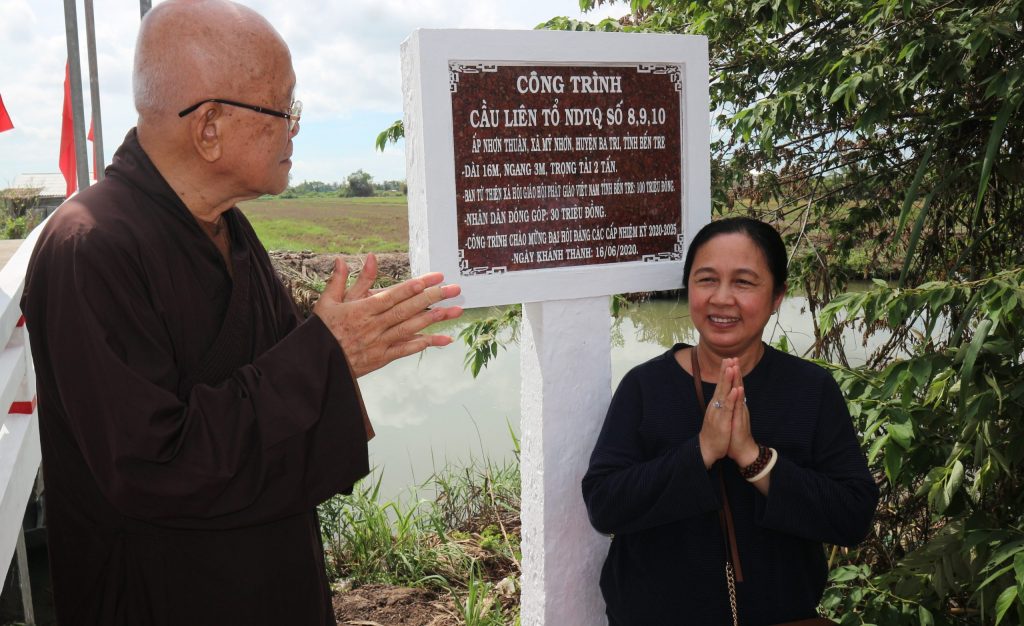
pixel 733 570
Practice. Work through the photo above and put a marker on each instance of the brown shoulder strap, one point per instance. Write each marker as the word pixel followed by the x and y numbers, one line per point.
pixel 725 515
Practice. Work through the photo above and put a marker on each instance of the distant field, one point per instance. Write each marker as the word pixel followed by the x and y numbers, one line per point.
pixel 331 225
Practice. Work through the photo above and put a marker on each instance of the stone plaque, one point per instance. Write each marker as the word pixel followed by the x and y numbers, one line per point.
pixel 550 165
pixel 564 165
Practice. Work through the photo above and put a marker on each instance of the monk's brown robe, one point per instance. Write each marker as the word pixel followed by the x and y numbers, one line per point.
pixel 190 421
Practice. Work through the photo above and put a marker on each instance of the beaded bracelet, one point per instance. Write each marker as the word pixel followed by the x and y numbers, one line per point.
pixel 767 468
pixel 764 455
pixel 772 457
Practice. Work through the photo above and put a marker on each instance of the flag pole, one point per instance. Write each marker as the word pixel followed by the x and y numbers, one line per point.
pixel 75 71
pixel 94 88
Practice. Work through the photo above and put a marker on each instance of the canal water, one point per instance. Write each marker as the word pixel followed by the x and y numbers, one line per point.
pixel 429 412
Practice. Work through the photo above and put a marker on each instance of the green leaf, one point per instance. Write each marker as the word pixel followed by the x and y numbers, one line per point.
pixel 844 574
pixel 1000 459
pixel 995 138
pixel 939 582
pixel 876 445
pixel 924 616
pixel 951 486
pixel 907 51
pixel 995 575
pixel 1004 602
pixel 935 475
pixel 921 370
pixel 1002 553
pixel 967 371
pixel 1018 568
pixel 937 497
pixel 941 298
pixel 893 461
pixel 901 433
pixel 908 199
pixel 391 134
pixel 915 236
pixel 938 388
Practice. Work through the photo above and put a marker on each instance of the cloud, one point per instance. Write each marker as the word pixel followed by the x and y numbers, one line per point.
pixel 346 56
pixel 18 23
pixel 411 391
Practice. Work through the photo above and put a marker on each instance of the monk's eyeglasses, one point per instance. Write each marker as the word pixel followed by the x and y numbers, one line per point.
pixel 293 115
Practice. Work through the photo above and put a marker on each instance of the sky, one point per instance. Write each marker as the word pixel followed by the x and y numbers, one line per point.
pixel 345 53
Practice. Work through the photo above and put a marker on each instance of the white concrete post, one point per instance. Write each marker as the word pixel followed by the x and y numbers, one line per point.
pixel 508 227
pixel 566 387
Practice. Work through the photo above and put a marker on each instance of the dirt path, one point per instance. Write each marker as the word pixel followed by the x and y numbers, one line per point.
pixel 384 605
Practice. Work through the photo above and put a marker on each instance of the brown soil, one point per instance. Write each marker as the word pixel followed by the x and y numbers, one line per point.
pixel 394 265
pixel 300 271
pixel 384 605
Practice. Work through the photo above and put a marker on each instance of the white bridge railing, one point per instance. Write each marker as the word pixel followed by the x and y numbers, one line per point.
pixel 19 423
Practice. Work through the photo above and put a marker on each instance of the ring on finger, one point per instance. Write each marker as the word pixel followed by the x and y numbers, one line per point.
pixel 717 404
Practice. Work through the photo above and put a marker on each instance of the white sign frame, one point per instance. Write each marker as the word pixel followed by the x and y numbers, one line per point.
pixel 430 154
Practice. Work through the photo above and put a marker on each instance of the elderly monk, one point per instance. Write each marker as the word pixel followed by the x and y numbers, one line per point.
pixel 190 420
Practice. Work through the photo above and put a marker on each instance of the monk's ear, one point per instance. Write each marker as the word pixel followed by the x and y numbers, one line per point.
pixel 207 132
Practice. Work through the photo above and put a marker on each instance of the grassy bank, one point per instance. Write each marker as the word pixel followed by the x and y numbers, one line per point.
pixel 454 540
pixel 331 224
pixel 326 223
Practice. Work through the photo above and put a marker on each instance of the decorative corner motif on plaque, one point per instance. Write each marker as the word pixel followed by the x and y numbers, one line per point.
pixel 661 256
pixel 483 271
pixel 466 270
pixel 456 69
pixel 675 255
pixel 674 73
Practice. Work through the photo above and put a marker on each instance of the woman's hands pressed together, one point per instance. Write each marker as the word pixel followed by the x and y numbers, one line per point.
pixel 726 428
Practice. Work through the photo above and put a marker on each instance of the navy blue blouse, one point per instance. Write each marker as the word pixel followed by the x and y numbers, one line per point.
pixel 647 485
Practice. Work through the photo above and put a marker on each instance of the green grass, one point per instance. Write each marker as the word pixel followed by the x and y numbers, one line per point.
pixel 280 234
pixel 331 199
pixel 331 225
pixel 462 540
pixel 328 224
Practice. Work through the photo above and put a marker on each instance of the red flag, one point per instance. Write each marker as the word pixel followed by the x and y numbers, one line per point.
pixel 95 165
pixel 5 119
pixel 68 163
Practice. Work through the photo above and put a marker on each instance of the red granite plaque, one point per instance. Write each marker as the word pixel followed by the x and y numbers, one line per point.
pixel 560 166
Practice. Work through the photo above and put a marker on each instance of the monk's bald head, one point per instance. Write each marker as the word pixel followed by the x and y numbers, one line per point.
pixel 190 50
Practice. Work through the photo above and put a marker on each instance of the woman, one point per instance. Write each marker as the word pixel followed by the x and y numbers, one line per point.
pixel 776 448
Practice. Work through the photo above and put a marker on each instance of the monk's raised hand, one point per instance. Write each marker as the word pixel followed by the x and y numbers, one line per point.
pixel 362 287
pixel 377 327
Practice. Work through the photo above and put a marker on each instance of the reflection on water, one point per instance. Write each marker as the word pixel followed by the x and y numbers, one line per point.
pixel 661 323
pixel 428 411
